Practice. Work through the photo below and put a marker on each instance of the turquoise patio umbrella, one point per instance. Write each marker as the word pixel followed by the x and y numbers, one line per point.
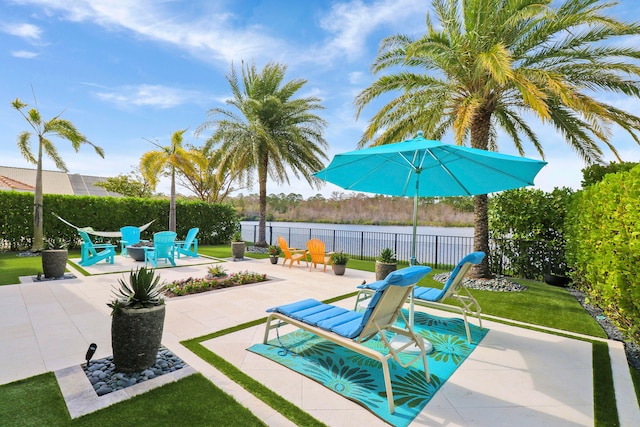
pixel 420 167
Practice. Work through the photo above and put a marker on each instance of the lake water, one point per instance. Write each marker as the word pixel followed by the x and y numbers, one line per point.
pixel 434 245
pixel 436 231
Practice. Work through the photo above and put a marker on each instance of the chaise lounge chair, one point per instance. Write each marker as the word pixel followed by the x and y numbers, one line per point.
pixel 188 246
pixel 433 297
pixel 291 254
pixel 349 328
pixel 315 248
pixel 91 253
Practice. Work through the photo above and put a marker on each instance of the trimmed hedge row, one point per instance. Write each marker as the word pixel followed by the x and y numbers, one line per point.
pixel 216 222
pixel 603 244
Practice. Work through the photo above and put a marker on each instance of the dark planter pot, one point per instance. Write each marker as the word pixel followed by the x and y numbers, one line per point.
pixel 383 269
pixel 237 250
pixel 54 262
pixel 556 280
pixel 136 334
pixel 339 269
pixel 273 259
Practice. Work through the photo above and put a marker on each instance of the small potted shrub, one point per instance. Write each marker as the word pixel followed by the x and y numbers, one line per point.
pixel 274 252
pixel 216 272
pixel 54 257
pixel 339 261
pixel 237 246
pixel 137 321
pixel 386 263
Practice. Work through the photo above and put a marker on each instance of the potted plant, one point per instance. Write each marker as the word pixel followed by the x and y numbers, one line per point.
pixel 339 261
pixel 216 272
pixel 386 263
pixel 54 257
pixel 237 246
pixel 274 252
pixel 137 321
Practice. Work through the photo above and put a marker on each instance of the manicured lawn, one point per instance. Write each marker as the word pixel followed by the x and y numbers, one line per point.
pixel 192 401
pixel 196 401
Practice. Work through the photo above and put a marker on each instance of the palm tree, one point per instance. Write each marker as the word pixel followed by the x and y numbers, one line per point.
pixel 43 129
pixel 272 133
pixel 488 63
pixel 206 180
pixel 174 157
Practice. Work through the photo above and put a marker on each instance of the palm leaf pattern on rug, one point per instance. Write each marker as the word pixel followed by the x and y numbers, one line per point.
pixel 360 379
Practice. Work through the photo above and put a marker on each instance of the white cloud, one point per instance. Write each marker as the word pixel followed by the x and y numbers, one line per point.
pixel 349 24
pixel 157 96
pixel 24 54
pixel 28 32
pixel 210 37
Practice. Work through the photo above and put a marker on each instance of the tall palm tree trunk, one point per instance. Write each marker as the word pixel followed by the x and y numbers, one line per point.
pixel 172 201
pixel 38 228
pixel 480 139
pixel 262 223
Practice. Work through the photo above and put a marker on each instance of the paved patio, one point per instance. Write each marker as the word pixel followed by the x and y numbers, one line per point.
pixel 515 375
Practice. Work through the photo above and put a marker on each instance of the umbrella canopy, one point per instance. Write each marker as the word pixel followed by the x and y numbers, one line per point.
pixel 425 168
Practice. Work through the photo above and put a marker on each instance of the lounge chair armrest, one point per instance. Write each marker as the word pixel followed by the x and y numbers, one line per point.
pixel 103 245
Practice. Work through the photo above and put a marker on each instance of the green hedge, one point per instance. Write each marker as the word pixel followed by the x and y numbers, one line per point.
pixel 216 222
pixel 603 244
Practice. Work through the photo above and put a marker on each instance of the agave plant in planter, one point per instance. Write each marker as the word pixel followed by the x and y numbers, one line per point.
pixel 54 257
pixel 137 321
pixel 237 246
pixel 386 263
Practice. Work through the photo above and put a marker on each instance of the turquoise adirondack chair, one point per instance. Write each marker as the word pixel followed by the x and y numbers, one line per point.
pixel 188 246
pixel 93 253
pixel 130 236
pixel 163 248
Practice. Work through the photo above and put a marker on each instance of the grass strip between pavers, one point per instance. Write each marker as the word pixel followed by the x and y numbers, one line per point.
pixel 604 400
pixel 605 410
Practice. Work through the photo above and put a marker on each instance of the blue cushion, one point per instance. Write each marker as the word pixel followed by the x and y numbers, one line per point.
pixel 295 306
pixel 339 319
pixel 349 329
pixel 428 294
pixel 317 319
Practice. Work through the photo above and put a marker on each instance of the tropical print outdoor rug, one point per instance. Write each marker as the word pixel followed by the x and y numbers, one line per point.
pixel 360 379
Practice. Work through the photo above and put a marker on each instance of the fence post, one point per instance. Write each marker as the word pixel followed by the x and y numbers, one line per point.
pixel 436 251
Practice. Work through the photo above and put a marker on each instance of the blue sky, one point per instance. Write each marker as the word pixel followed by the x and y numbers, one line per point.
pixel 125 72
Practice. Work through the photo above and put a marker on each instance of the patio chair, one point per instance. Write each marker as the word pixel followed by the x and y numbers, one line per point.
pixel 350 329
pixel 188 246
pixel 453 288
pixel 130 236
pixel 92 253
pixel 291 254
pixel 163 248
pixel 315 248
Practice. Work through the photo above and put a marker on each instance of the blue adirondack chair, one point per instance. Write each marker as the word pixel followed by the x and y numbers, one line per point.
pixel 188 246
pixel 93 253
pixel 130 236
pixel 163 248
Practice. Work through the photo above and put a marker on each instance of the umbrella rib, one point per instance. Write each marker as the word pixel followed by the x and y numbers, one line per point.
pixel 502 171
pixel 446 169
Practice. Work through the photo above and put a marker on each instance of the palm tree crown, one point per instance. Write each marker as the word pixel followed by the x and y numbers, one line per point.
pixel 57 127
pixel 267 131
pixel 488 64
pixel 171 157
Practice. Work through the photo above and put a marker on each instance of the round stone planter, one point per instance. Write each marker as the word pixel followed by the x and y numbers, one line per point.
pixel 383 269
pixel 339 269
pixel 555 280
pixel 237 250
pixel 54 262
pixel 136 334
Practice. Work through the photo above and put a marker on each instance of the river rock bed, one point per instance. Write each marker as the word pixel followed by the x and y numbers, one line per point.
pixel 105 379
pixel 497 284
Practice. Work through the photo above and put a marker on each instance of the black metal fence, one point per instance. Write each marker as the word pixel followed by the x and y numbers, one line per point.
pixel 526 259
pixel 438 251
